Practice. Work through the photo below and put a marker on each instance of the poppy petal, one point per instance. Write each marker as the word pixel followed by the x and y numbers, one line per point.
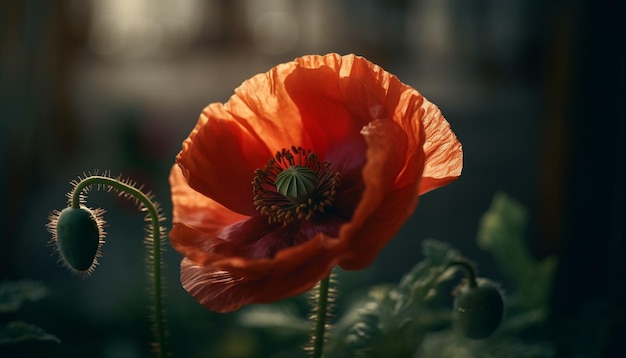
pixel 219 158
pixel 202 217
pixel 442 150
pixel 383 208
pixel 195 209
pixel 227 284
pixel 262 105
pixel 320 103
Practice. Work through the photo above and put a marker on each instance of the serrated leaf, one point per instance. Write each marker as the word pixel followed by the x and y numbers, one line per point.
pixel 438 252
pixel 367 301
pixel 14 293
pixel 501 232
pixel 393 322
pixel 419 283
pixel 18 331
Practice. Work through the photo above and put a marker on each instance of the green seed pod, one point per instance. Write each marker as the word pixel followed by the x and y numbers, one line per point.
pixel 78 235
pixel 478 310
pixel 297 183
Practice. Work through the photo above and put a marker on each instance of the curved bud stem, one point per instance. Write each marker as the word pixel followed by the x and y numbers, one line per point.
pixel 468 267
pixel 126 189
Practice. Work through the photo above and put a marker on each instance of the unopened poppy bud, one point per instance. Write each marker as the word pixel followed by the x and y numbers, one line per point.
pixel 478 310
pixel 296 183
pixel 78 235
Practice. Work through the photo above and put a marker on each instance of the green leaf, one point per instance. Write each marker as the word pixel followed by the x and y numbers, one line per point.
pixel 14 293
pixel 18 331
pixel 447 344
pixel 280 318
pixel 393 321
pixel 501 232
pixel 438 252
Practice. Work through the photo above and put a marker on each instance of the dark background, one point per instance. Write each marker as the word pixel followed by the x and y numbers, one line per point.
pixel 533 89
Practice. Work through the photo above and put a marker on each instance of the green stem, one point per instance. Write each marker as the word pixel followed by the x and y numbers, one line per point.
pixel 319 334
pixel 469 269
pixel 153 212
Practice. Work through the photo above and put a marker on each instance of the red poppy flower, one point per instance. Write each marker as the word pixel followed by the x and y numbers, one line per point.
pixel 337 151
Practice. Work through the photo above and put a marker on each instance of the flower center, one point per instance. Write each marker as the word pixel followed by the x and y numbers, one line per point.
pixel 294 184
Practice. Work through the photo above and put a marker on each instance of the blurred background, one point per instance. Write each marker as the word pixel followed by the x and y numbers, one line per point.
pixel 533 89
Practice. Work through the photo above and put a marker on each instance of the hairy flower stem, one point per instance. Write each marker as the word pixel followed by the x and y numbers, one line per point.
pixel 128 190
pixel 470 271
pixel 319 334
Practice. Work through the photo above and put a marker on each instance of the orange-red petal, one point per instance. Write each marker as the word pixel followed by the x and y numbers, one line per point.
pixel 196 217
pixel 219 157
pixel 226 285
pixel 443 154
pixel 383 207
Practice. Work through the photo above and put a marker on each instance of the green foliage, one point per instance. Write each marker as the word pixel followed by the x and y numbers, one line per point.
pixel 280 319
pixel 523 331
pixel 501 232
pixel 14 293
pixel 414 317
pixel 12 296
pixel 18 331
pixel 393 321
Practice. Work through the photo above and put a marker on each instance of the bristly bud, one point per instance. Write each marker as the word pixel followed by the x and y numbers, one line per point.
pixel 78 234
